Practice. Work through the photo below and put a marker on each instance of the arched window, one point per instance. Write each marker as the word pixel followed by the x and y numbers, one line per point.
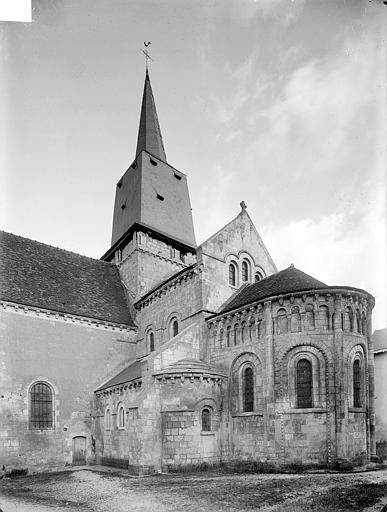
pixel 151 338
pixel 173 327
pixel 228 331
pixel 245 271
pixel 304 384
pixel 206 419
pixel 258 276
pixel 295 320
pixel 282 321
pixel 244 334
pixel 236 334
pixel 108 419
pixel 348 319
pixel 357 383
pixel 41 406
pixel 309 317
pixel 323 317
pixel 121 416
pixel 248 389
pixel 232 273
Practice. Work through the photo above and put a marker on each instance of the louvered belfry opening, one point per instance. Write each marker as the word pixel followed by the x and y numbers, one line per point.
pixel 304 384
pixel 41 406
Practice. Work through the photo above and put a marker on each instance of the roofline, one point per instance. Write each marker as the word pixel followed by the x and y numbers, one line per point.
pixel 163 283
pixel 380 351
pixel 158 234
pixel 64 314
pixel 335 289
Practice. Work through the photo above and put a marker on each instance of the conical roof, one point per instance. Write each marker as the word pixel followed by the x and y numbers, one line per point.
pixel 149 134
pixel 286 281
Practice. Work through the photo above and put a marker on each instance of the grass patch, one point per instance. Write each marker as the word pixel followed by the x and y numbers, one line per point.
pixel 341 499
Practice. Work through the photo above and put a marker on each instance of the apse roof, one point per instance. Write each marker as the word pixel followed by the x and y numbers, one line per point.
pixel 286 281
pixel 42 276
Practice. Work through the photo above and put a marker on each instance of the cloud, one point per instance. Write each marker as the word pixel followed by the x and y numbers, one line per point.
pixel 355 258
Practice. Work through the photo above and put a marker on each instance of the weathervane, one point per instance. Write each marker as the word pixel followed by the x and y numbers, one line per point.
pixel 146 53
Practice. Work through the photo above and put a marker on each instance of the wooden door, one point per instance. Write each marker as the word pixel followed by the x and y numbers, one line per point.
pixel 79 451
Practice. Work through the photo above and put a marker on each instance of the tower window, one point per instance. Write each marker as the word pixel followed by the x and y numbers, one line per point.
pixel 153 162
pixel 206 420
pixel 41 406
pixel 123 206
pixel 248 389
pixel 232 274
pixel 161 198
pixel 357 384
pixel 304 384
pixel 177 176
pixel 119 184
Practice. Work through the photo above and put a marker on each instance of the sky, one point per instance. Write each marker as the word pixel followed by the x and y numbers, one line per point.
pixel 280 103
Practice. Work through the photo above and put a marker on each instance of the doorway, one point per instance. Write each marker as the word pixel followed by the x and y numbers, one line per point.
pixel 79 451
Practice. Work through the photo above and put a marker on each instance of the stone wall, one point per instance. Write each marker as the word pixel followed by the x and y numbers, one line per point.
pixel 330 331
pixel 74 357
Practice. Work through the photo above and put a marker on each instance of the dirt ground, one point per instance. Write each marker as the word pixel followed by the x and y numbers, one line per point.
pixel 88 490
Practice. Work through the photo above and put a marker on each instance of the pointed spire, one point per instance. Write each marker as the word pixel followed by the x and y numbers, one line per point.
pixel 149 133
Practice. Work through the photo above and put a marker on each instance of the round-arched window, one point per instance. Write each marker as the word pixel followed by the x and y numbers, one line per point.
pixel 108 419
pixel 248 389
pixel 151 341
pixel 121 416
pixel 206 419
pixel 258 276
pixel 173 327
pixel 232 273
pixel 41 406
pixel 245 271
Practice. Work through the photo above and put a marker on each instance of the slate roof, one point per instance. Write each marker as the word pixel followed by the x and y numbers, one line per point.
pixel 379 338
pixel 132 372
pixel 39 275
pixel 286 281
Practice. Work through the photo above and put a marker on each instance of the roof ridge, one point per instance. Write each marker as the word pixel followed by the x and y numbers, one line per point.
pixel 55 247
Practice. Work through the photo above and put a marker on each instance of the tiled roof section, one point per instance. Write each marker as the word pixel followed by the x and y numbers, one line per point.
pixel 379 338
pixel 286 281
pixel 42 276
pixel 132 372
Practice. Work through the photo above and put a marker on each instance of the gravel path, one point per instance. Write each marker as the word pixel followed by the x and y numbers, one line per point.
pixel 90 490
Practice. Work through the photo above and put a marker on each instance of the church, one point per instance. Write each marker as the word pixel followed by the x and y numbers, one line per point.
pixel 165 355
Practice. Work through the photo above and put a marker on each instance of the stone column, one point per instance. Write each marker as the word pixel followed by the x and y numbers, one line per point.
pixel 337 394
pixel 269 419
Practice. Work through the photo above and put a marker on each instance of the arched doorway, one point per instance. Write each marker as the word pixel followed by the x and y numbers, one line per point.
pixel 79 451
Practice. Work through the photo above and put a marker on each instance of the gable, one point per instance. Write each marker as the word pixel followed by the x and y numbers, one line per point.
pixel 42 276
pixel 239 235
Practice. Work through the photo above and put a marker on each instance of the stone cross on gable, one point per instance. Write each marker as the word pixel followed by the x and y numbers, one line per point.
pixel 243 205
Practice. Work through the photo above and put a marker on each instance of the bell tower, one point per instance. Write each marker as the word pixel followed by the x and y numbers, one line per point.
pixel 153 235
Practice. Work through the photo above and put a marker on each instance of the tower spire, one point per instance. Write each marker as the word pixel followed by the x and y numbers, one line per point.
pixel 149 134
